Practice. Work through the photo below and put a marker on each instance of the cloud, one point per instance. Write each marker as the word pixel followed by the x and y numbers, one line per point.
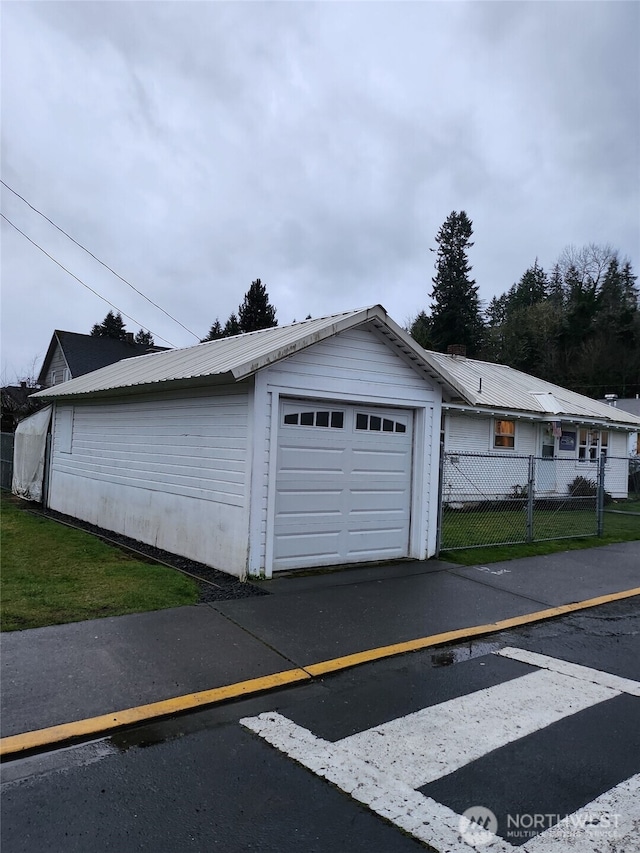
pixel 198 146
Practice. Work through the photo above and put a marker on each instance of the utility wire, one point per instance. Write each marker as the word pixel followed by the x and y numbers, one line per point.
pixel 119 310
pixel 106 266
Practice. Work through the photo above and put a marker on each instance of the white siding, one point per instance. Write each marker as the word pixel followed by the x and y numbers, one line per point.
pixel 58 371
pixel 356 366
pixel 496 477
pixel 358 356
pixel 471 434
pixel 169 470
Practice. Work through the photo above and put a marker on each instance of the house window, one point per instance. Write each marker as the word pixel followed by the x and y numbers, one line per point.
pixel 504 434
pixel 322 418
pixel 591 444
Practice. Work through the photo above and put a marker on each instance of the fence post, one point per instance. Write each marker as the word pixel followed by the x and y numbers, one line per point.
pixel 440 494
pixel 530 497
pixel 600 495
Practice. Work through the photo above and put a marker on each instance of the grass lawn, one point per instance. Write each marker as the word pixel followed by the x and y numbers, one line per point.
pixel 52 574
pixel 504 526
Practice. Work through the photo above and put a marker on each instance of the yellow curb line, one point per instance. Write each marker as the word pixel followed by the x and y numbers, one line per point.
pixel 95 726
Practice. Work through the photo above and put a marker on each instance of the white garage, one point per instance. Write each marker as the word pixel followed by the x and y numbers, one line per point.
pixel 313 444
pixel 343 484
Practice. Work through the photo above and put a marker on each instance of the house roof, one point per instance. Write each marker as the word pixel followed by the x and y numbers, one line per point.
pixel 86 353
pixel 235 358
pixel 470 383
pixel 484 385
pixel 625 404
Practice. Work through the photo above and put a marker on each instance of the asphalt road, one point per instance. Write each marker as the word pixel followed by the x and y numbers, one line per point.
pixel 378 758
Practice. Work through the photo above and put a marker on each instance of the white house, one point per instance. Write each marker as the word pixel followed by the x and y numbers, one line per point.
pixel 304 445
pixel 506 413
pixel 299 446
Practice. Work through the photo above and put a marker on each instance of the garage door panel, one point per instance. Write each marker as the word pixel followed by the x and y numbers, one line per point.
pixel 343 495
pixel 309 502
pixel 311 457
pixel 320 547
pixel 370 462
pixel 377 544
pixel 377 500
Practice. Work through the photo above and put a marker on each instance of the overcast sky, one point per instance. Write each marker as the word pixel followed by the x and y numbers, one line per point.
pixel 195 147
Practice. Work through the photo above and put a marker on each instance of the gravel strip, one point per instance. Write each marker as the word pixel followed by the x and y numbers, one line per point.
pixel 227 587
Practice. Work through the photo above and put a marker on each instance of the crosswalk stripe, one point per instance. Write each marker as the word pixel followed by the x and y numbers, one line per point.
pixel 437 740
pixel 420 816
pixel 611 822
pixel 584 673
pixel 383 766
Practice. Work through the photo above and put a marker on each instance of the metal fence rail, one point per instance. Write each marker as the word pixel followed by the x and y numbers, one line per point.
pixel 492 499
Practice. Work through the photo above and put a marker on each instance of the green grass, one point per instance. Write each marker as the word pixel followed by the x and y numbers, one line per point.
pixel 617 528
pixel 52 574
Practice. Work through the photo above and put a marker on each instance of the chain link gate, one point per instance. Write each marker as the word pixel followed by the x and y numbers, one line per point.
pixel 491 499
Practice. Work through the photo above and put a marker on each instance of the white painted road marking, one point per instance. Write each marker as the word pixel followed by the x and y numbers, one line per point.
pixel 381 767
pixel 611 822
pixel 437 740
pixel 583 673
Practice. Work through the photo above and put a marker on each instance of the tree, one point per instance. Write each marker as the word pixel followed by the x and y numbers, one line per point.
pixel 215 332
pixel 420 330
pixel 531 289
pixel 256 312
pixel 144 337
pixel 232 326
pixel 456 316
pixel 111 327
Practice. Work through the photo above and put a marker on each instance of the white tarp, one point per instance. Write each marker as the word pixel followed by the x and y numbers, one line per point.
pixel 28 455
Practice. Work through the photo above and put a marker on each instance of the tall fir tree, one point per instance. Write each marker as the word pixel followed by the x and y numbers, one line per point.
pixel 111 327
pixel 456 315
pixel 256 312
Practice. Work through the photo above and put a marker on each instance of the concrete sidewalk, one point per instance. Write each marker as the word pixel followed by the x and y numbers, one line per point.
pixel 56 675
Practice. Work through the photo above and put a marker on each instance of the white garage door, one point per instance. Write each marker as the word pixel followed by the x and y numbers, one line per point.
pixel 343 484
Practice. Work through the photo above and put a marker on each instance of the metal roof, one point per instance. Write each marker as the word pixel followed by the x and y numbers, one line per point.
pixel 484 385
pixel 479 384
pixel 235 358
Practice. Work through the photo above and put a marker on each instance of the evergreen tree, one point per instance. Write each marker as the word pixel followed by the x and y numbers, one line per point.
pixel 111 327
pixel 531 289
pixel 420 330
pixel 144 337
pixel 256 312
pixel 232 326
pixel 456 317
pixel 215 332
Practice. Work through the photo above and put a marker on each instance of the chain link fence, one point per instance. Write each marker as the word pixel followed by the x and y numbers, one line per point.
pixel 490 499
pixel 6 448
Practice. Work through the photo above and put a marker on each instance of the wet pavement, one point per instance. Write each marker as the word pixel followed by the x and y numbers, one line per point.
pixel 63 673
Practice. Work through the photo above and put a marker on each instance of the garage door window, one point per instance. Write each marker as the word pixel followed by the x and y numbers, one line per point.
pixel 316 418
pixel 375 423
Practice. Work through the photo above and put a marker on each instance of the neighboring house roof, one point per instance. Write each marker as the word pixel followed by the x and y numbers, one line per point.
pixel 626 404
pixel 17 403
pixel 235 358
pixel 86 353
pixel 484 385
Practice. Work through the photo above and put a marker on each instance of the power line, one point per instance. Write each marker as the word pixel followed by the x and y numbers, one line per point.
pixel 95 292
pixel 106 266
